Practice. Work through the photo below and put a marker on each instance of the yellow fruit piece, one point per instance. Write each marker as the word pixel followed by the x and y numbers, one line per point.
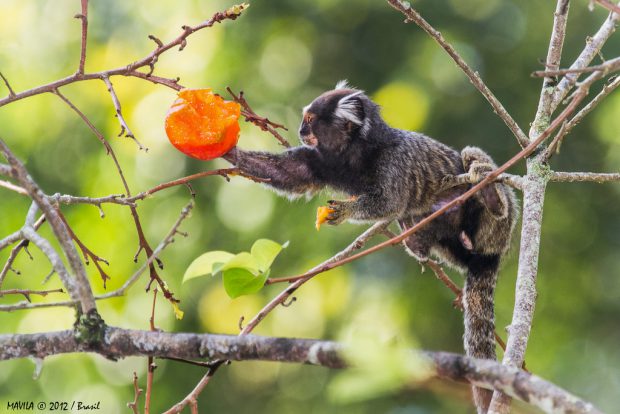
pixel 321 215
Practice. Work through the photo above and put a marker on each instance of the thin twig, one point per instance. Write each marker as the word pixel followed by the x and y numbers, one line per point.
pixel 15 251
pixel 413 16
pixel 86 252
pixel 125 130
pixel 554 146
pixel 263 123
pixel 83 16
pixel 130 70
pixel 78 287
pixel 27 292
pixel 137 391
pixel 593 46
pixel 572 177
pixel 609 66
pixel 608 5
pixel 13 187
pixel 8 85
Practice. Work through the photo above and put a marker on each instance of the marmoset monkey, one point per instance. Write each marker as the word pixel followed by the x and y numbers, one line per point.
pixel 392 174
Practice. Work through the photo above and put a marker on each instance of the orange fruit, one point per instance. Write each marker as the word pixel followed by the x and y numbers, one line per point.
pixel 321 215
pixel 203 125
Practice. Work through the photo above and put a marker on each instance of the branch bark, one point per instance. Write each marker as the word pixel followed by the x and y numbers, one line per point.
pixel 120 343
pixel 534 186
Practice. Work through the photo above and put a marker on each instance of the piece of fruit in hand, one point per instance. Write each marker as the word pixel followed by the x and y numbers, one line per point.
pixel 203 125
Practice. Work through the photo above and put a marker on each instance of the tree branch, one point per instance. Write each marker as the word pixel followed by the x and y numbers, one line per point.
pixel 611 65
pixel 125 130
pixel 572 177
pixel 554 146
pixel 591 50
pixel 413 16
pixel 534 186
pixel 79 288
pixel 131 70
pixel 83 16
pixel 120 343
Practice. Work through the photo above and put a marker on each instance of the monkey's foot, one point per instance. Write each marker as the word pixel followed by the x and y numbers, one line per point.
pixel 478 170
pixel 340 211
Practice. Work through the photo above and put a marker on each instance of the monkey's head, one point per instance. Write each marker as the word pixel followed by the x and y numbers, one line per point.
pixel 337 118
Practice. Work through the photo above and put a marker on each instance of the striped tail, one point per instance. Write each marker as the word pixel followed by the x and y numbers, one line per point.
pixel 479 315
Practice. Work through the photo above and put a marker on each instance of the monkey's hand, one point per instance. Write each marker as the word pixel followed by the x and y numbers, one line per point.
pixel 340 211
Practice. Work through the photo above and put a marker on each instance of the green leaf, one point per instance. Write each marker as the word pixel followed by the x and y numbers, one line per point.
pixel 243 260
pixel 238 282
pixel 265 251
pixel 203 264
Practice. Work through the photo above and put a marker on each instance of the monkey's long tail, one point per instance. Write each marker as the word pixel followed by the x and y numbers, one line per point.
pixel 479 315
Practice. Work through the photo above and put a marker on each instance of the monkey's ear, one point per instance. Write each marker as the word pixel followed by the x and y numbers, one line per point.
pixel 350 109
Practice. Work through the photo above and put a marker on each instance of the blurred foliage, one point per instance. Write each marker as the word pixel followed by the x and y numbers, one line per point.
pixel 282 54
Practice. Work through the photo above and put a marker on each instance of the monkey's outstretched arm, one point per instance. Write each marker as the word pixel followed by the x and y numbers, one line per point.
pixel 297 170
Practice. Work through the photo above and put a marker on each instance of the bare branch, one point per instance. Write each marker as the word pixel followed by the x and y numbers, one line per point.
pixel 263 123
pixel 118 343
pixel 11 238
pixel 611 65
pixel 136 394
pixel 8 86
pixel 27 292
pixel 554 55
pixel 590 51
pixel 413 16
pixel 13 187
pixel 608 5
pixel 80 287
pixel 572 177
pixel 83 16
pixel 15 251
pixel 131 69
pixel 554 146
pixel 125 130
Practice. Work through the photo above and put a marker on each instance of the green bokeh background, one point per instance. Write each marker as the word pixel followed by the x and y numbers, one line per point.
pixel 283 54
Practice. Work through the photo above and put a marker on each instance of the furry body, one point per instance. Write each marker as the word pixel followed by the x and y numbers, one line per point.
pixel 399 175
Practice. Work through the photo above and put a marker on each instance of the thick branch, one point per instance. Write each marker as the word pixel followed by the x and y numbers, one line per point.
pixel 80 288
pixel 120 343
pixel 533 199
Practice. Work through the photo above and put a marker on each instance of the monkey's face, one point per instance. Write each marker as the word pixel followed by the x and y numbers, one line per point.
pixel 333 120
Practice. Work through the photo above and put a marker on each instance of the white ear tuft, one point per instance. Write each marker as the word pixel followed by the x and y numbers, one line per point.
pixel 342 84
pixel 349 108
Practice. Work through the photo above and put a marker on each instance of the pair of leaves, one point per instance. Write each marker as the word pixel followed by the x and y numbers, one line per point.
pixel 243 273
